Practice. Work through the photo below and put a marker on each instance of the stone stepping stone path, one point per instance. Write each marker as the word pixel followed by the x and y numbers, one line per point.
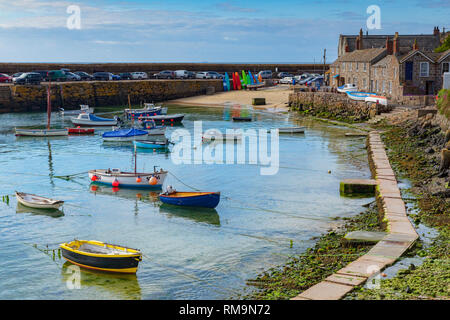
pixel 400 237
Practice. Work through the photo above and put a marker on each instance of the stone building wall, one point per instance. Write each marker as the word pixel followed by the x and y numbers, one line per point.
pixel 99 93
pixel 334 105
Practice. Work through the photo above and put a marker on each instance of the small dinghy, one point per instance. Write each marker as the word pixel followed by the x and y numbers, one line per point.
pixel 88 119
pixel 349 87
pixel 291 130
pixel 83 108
pixel 101 256
pixel 79 130
pixel 191 199
pixel 214 135
pixel 165 119
pixel 38 202
pixel 152 144
pixel 377 99
pixel 124 135
pixel 153 129
pixel 359 96
pixel 247 119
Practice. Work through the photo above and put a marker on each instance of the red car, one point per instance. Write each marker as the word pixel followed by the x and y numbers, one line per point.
pixel 5 78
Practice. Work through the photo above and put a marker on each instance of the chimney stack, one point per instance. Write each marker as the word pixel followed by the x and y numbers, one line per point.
pixel 415 45
pixel 361 39
pixel 389 47
pixel 436 31
pixel 396 45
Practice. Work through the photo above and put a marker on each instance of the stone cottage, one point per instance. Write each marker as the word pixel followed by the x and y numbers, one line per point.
pixel 393 70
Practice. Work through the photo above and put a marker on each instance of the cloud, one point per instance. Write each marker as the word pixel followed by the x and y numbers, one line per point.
pixel 228 6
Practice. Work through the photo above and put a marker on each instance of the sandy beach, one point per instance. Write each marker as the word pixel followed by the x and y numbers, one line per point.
pixel 276 98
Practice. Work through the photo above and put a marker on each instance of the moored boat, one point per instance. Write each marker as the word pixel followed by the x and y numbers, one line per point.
pixel 79 130
pixel 38 202
pixel 164 119
pixel 191 199
pixel 101 256
pixel 359 96
pixel 124 135
pixel 152 144
pixel 214 135
pixel 377 99
pixel 291 130
pixel 83 108
pixel 40 132
pixel 118 179
pixel 349 87
pixel 153 129
pixel 88 119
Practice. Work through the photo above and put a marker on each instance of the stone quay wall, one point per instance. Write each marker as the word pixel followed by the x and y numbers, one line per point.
pixel 69 95
pixel 339 106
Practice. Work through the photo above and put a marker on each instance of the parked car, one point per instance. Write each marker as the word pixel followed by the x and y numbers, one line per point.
pixel 102 76
pixel 72 76
pixel 126 76
pixel 215 75
pixel 166 74
pixel 203 75
pixel 5 78
pixel 317 80
pixel 65 70
pixel 139 75
pixel 286 80
pixel 282 75
pixel 306 80
pixel 28 78
pixel 265 74
pixel 56 75
pixel 181 74
pixel 115 76
pixel 43 74
pixel 191 75
pixel 84 75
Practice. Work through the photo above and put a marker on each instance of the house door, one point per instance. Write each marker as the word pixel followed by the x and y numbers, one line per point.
pixel 408 71
pixel 429 88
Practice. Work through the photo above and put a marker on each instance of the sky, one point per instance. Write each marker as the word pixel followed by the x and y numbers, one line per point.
pixel 264 31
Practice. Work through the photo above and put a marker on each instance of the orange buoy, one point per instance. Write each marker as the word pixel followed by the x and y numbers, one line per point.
pixel 138 179
pixel 94 178
pixel 153 181
pixel 115 183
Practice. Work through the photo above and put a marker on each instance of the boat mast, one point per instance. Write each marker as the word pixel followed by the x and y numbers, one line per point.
pixel 49 107
pixel 135 158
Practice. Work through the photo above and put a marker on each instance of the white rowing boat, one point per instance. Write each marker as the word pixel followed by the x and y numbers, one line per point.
pixel 38 202
pixel 119 179
pixel 214 135
pixel 41 132
pixel 377 99
pixel 88 119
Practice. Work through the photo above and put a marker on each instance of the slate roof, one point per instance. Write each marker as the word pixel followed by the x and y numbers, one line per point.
pixel 365 55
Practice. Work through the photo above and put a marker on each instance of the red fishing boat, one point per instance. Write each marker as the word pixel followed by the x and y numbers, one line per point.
pixel 79 130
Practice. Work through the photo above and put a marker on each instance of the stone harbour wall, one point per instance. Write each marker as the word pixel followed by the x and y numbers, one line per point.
pixel 335 105
pixel 70 95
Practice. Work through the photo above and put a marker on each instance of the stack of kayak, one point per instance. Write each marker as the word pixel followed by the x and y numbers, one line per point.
pixel 367 97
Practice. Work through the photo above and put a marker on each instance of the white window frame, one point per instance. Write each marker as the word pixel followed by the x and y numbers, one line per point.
pixel 374 72
pixel 422 73
pixel 390 87
pixel 365 67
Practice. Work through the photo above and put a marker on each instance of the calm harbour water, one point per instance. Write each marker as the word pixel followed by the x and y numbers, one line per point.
pixel 189 254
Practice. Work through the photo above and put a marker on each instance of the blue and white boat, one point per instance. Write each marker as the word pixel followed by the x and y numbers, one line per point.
pixel 359 96
pixel 152 144
pixel 125 135
pixel 349 87
pixel 191 199
pixel 88 119
pixel 149 110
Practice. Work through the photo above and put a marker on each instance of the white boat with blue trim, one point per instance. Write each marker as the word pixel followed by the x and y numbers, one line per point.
pixel 88 119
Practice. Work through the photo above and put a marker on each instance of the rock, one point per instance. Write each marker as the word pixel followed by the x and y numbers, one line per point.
pixel 429 150
pixel 445 160
pixel 447 136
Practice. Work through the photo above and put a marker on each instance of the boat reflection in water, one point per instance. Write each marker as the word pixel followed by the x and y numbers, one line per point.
pixel 138 194
pixel 53 213
pixel 120 286
pixel 201 215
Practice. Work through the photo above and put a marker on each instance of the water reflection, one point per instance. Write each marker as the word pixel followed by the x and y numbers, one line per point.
pixel 202 215
pixel 120 286
pixel 131 194
pixel 54 213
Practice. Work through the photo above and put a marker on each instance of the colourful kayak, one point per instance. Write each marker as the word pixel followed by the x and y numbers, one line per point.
pixel 192 199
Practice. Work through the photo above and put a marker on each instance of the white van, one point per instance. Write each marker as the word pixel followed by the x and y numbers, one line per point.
pixel 265 74
pixel 181 74
pixel 138 75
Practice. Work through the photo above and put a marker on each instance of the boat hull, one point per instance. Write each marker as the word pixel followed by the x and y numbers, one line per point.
pixel 90 123
pixel 195 199
pixel 75 112
pixel 377 99
pixel 129 180
pixel 150 145
pixel 246 119
pixel 41 132
pixel 165 119
pixel 291 130
pixel 116 264
pixel 81 130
